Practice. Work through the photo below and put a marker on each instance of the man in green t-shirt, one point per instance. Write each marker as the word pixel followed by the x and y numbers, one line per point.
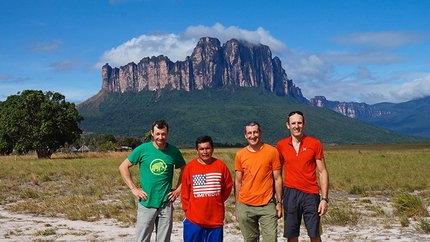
pixel 157 161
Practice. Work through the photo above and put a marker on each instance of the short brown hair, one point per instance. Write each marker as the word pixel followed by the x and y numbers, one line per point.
pixel 161 124
pixel 295 112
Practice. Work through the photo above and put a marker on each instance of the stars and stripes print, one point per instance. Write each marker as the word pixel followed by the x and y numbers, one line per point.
pixel 208 184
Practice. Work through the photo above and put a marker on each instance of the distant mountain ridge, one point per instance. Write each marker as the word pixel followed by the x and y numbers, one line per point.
pixel 409 117
pixel 242 64
pixel 349 109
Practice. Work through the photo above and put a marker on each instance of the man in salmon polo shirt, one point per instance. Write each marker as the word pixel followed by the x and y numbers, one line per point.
pixel 206 185
pixel 302 157
pixel 258 187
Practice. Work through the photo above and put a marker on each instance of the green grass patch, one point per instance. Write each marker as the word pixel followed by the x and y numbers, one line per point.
pixel 408 204
pixel 89 187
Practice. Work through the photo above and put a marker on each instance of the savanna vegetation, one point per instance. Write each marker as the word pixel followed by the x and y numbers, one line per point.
pixel 87 186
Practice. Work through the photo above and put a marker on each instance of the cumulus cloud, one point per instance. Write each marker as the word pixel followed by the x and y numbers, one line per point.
pixel 364 74
pixel 134 50
pixel 178 46
pixel 259 36
pixel 348 74
pixel 416 88
pixel 388 91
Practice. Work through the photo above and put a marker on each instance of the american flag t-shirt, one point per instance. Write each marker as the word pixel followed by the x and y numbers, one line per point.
pixel 207 185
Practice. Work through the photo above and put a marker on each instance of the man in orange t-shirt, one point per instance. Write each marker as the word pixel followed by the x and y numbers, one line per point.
pixel 302 157
pixel 258 180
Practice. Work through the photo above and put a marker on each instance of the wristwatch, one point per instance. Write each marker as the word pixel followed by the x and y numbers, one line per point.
pixel 325 199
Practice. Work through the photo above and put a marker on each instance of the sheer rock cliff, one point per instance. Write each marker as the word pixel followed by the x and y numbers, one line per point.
pixel 210 66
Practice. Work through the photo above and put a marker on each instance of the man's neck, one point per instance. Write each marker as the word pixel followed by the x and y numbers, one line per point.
pixel 296 139
pixel 205 162
pixel 162 147
pixel 256 147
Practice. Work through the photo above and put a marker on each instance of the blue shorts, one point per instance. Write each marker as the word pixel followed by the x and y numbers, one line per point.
pixel 195 233
pixel 297 204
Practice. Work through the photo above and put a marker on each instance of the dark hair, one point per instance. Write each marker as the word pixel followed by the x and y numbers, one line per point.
pixel 161 124
pixel 252 123
pixel 204 139
pixel 295 112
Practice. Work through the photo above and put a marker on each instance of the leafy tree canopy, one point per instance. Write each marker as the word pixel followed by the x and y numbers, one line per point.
pixel 33 120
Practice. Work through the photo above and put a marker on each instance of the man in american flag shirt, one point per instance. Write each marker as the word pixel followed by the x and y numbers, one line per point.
pixel 206 185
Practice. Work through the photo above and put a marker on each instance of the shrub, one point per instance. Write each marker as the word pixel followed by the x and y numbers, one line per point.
pixel 409 205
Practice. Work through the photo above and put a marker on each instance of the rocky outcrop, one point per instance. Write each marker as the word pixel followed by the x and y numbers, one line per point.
pixel 210 66
pixel 350 109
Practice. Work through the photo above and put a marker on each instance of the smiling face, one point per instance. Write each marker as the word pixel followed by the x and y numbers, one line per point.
pixel 204 152
pixel 296 125
pixel 160 137
pixel 253 135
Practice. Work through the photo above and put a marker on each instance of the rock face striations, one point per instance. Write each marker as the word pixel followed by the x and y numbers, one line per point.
pixel 210 66
pixel 349 109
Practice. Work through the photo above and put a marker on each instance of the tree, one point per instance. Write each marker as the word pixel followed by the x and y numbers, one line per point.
pixel 33 120
pixel 148 136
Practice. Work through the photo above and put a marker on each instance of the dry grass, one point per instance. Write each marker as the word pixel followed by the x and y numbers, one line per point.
pixel 87 186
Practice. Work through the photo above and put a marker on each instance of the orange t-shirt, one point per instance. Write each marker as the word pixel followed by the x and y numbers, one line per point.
pixel 257 174
pixel 300 168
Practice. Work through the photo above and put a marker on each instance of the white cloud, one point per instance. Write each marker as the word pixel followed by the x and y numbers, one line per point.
pixel 260 35
pixel 360 75
pixel 177 47
pixel 134 50
pixel 416 88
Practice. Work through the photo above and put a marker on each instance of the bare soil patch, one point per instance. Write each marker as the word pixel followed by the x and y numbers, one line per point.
pixel 370 227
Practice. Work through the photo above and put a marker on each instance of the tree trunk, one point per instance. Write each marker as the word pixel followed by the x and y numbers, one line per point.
pixel 43 153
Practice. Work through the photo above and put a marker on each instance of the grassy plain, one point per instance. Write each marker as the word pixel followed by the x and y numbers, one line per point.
pixel 88 186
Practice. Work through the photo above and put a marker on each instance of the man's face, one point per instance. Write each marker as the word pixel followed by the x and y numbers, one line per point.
pixel 252 134
pixel 204 152
pixel 160 136
pixel 296 125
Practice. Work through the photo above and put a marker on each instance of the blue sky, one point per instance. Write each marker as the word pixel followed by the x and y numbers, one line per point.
pixel 364 51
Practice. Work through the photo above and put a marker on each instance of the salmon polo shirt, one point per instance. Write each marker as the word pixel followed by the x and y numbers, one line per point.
pixel 300 168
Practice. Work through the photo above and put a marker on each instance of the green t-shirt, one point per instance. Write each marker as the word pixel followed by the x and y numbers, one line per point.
pixel 156 171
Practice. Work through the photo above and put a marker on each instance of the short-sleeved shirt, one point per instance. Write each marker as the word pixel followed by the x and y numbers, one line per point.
pixel 156 169
pixel 300 168
pixel 257 174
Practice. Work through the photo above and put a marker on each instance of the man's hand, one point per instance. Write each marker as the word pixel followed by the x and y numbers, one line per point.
pixel 139 193
pixel 322 208
pixel 174 194
pixel 279 209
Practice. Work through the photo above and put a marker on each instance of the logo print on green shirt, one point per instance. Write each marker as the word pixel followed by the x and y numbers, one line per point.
pixel 158 167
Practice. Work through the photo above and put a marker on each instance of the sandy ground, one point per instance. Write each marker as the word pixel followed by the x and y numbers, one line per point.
pixel 25 227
